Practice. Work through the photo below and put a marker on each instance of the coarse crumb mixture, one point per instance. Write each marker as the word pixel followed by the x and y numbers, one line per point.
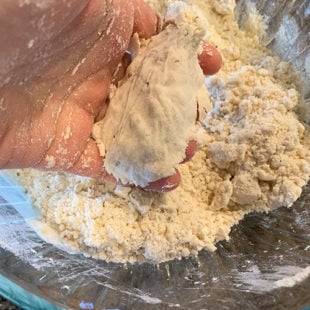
pixel 254 156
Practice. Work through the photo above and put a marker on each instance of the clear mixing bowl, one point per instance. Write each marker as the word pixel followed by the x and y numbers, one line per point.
pixel 263 266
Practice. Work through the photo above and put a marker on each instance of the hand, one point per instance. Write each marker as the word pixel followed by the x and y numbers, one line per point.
pixel 55 76
pixel 53 89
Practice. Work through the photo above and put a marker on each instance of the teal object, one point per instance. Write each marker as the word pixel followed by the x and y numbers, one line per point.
pixel 23 298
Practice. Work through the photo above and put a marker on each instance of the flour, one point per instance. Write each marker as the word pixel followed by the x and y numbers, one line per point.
pixel 253 156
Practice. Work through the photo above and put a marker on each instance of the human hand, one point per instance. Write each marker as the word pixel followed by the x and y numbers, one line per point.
pixel 53 89
pixel 55 78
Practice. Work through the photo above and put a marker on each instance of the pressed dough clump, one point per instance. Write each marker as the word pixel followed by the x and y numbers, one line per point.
pixel 254 156
pixel 150 119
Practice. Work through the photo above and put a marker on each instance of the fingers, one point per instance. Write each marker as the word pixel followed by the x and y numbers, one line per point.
pixel 209 58
pixel 91 164
pixel 146 21
pixel 73 125
pixel 165 184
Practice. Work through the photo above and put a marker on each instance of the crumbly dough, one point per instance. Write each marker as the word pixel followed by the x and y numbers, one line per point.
pixel 254 156
pixel 149 122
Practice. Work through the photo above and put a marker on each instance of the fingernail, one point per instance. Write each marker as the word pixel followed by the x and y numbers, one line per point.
pixel 210 59
pixel 166 184
pixel 190 151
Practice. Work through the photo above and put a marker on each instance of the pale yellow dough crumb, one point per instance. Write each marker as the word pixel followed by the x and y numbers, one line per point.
pixel 254 156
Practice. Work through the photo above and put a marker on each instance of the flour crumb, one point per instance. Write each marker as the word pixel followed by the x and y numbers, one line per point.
pixel 254 153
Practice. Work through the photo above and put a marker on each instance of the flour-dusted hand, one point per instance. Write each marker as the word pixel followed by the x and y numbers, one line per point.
pixel 55 73
pixel 55 76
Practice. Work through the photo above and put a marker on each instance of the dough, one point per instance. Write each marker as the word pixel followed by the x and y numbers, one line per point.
pixel 151 116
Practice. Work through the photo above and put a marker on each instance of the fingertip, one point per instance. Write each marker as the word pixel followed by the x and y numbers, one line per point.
pixel 166 184
pixel 210 59
pixel 146 20
pixel 190 151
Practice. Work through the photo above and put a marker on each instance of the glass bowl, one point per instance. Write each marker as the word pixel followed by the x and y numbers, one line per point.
pixel 264 265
